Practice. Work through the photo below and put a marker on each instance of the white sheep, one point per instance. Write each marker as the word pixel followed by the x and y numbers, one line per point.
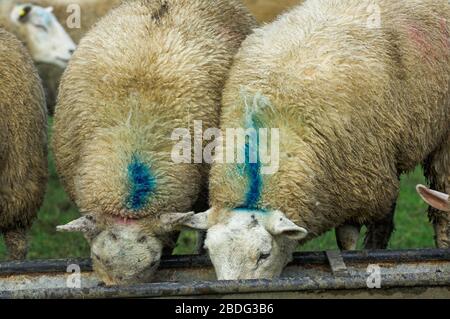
pixel 360 94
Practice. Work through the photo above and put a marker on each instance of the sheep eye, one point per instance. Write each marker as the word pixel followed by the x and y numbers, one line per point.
pixel 142 239
pixel 40 26
pixel 263 257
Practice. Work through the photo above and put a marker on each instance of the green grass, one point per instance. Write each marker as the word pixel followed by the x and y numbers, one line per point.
pixel 412 227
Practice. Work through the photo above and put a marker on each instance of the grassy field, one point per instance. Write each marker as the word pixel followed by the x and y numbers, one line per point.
pixel 412 227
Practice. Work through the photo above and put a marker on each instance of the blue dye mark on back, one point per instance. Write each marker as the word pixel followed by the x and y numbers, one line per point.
pixel 252 166
pixel 142 184
pixel 252 171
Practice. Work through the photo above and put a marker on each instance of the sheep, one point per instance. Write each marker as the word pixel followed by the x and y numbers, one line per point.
pixel 65 11
pixel 147 68
pixel 359 91
pixel 38 28
pixel 90 11
pixel 48 43
pixel 435 199
pixel 267 10
pixel 23 144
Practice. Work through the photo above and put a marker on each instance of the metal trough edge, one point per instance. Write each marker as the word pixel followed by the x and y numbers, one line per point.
pixel 235 287
pixel 192 261
pixel 426 276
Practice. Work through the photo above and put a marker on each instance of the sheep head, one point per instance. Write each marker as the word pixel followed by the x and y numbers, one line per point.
pixel 122 252
pixel 46 39
pixel 249 244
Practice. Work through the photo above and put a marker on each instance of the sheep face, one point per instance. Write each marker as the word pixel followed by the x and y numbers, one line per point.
pixel 125 255
pixel 122 252
pixel 45 38
pixel 249 244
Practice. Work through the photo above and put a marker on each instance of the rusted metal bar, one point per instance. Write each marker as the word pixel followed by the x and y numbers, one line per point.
pixel 42 266
pixel 186 261
pixel 220 288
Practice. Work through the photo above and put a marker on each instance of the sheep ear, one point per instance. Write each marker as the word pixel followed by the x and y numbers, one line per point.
pixel 85 224
pixel 23 13
pixel 198 221
pixel 170 221
pixel 433 198
pixel 173 220
pixel 279 224
pixel 49 9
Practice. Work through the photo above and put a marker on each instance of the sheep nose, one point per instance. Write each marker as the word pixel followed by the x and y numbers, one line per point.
pixel 71 51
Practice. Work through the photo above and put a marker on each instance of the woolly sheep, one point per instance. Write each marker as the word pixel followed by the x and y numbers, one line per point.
pixel 357 104
pixel 23 144
pixel 147 68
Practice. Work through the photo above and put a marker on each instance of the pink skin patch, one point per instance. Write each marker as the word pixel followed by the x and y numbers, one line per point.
pixel 124 221
pixel 446 33
pixel 431 51
pixel 421 40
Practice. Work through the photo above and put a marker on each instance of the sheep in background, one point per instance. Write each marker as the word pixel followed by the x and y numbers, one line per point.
pixel 23 144
pixel 38 29
pixel 91 11
pixel 48 43
pixel 146 69
pixel 359 100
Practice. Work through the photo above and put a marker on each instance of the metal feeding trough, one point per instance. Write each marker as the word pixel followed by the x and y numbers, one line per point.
pixel 406 273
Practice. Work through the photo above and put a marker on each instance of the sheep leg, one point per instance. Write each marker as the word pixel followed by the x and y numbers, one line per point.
pixel 379 232
pixel 437 172
pixel 170 244
pixel 441 224
pixel 347 236
pixel 16 243
pixel 201 237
